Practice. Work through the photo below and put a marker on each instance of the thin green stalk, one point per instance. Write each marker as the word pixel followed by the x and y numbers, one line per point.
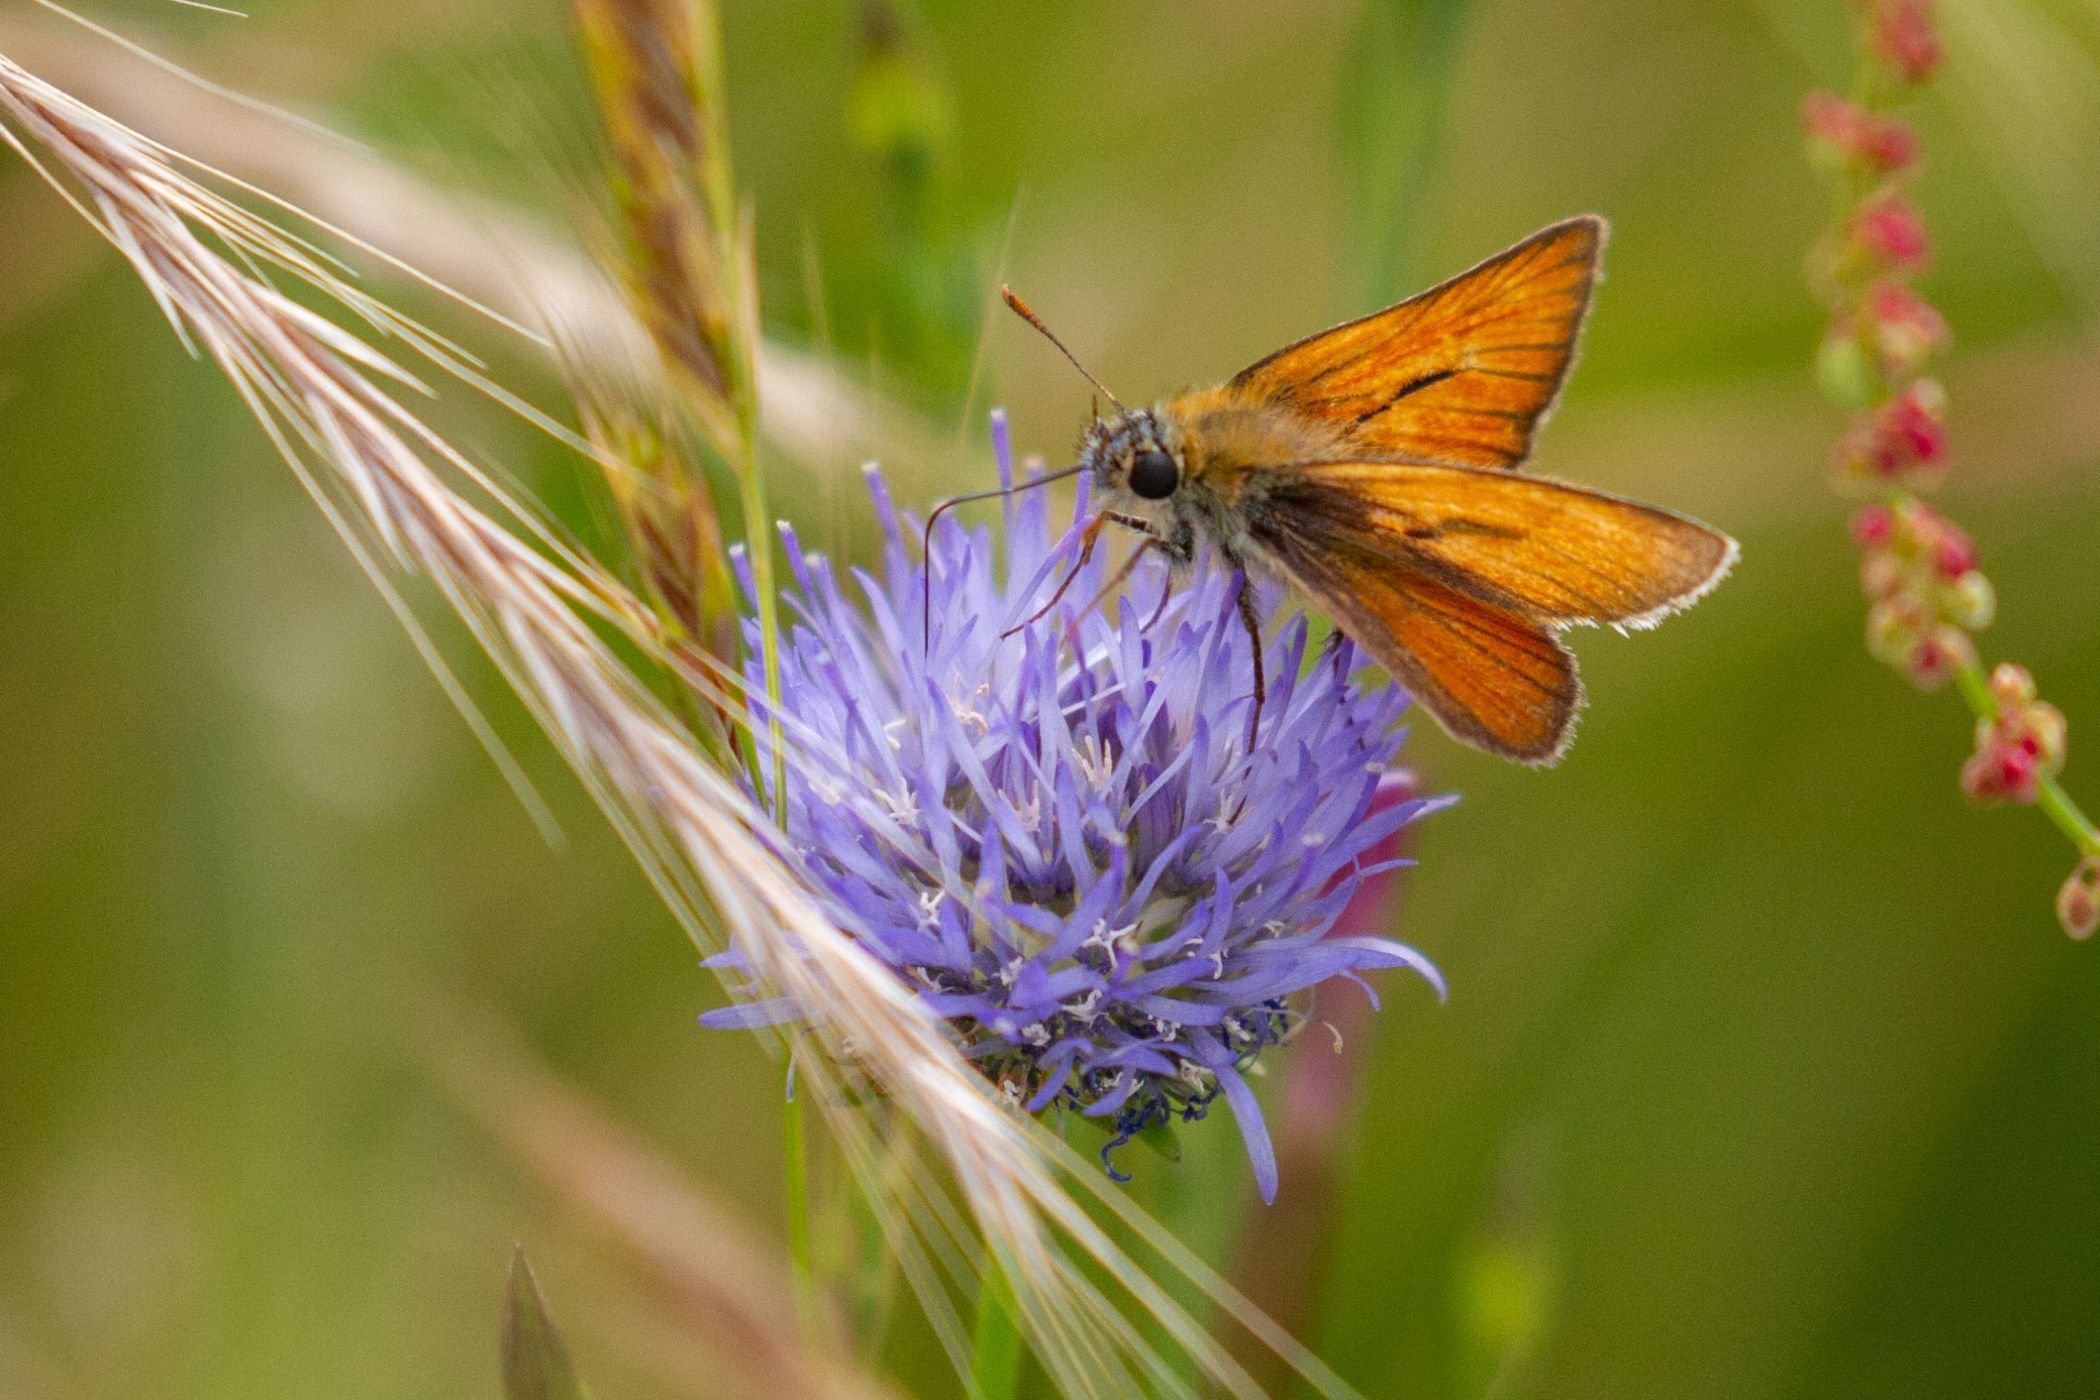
pixel 1396 102
pixel 751 486
pixel 796 1150
pixel 995 1355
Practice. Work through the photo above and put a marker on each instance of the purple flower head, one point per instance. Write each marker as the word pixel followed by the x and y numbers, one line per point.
pixel 1060 838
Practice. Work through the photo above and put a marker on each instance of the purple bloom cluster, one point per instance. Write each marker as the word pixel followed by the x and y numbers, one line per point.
pixel 1060 838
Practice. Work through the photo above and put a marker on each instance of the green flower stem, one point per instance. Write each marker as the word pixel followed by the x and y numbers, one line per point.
pixel 795 1145
pixel 2069 819
pixel 995 1358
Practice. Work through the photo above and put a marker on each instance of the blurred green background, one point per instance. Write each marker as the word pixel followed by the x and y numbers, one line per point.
pixel 1766 1071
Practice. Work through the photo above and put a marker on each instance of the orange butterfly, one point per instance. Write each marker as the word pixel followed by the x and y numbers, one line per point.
pixel 1370 467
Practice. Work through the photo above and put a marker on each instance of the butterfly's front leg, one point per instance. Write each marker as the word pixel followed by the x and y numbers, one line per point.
pixel 1252 622
pixel 1088 539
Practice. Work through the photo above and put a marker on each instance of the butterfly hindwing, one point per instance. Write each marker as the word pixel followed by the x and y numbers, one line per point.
pixel 1461 373
pixel 1492 677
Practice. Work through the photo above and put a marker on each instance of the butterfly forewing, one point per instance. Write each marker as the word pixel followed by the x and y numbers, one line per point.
pixel 1557 553
pixel 1461 373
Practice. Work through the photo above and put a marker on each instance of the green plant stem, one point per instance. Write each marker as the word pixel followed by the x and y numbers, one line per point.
pixel 2056 804
pixel 995 1356
pixel 1396 103
pixel 795 1146
pixel 760 539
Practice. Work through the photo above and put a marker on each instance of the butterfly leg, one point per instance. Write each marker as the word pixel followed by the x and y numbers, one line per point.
pixel 1123 571
pixel 1166 592
pixel 1088 539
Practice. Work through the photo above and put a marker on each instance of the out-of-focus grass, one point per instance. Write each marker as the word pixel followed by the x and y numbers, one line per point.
pixel 1765 1072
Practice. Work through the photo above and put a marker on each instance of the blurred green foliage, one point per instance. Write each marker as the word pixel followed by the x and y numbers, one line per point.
pixel 1766 1072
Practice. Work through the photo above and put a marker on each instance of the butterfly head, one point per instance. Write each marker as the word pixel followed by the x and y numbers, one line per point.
pixel 1137 453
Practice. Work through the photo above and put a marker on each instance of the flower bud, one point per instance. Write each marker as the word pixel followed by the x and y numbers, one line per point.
pixel 2019 746
pixel 1881 574
pixel 1936 657
pixel 2078 902
pixel 1903 35
pixel 1873 526
pixel 1970 602
pixel 2012 686
pixel 1953 552
pixel 1845 136
pixel 1998 775
pixel 1903 440
pixel 1894 629
pixel 1887 231
pixel 1906 330
pixel 2050 734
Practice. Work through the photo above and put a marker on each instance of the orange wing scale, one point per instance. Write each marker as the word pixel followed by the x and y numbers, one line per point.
pixel 1462 373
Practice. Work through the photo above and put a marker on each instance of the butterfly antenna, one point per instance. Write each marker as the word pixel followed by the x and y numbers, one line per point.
pixel 926 544
pixel 1027 313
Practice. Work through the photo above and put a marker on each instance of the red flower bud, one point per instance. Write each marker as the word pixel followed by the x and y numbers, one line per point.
pixel 2012 686
pixel 2078 902
pixel 1887 229
pixel 1906 329
pixel 1903 35
pixel 2019 746
pixel 1873 526
pixel 1953 553
pixel 1936 657
pixel 1844 134
pixel 1901 439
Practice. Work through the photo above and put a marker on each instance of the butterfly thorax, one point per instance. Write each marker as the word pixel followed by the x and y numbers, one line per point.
pixel 1195 466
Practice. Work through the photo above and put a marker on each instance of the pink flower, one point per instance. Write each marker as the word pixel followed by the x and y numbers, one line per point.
pixel 1954 553
pixel 1846 134
pixel 1887 229
pixel 2078 902
pixel 1906 330
pixel 2017 748
pixel 1903 439
pixel 1873 526
pixel 1903 34
pixel 1914 424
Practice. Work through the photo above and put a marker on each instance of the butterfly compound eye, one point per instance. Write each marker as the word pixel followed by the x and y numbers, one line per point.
pixel 1153 475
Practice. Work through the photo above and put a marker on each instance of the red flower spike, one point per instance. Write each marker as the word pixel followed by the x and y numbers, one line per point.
pixel 1913 425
